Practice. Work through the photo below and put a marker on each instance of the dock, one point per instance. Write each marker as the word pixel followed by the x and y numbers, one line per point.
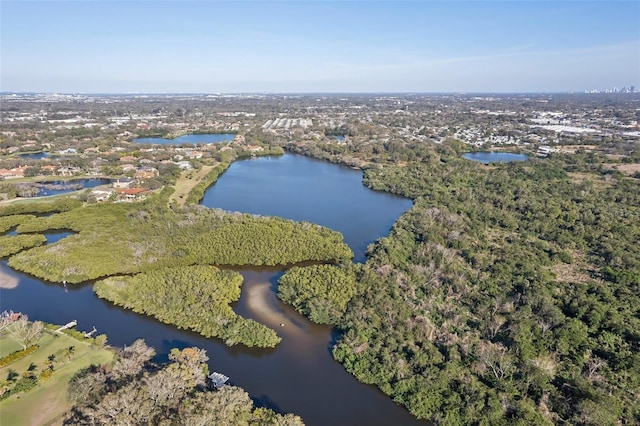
pixel 67 325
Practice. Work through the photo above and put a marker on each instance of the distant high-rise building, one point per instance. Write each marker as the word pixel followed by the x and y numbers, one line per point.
pixel 632 89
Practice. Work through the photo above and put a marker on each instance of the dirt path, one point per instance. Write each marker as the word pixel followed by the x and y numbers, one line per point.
pixel 186 182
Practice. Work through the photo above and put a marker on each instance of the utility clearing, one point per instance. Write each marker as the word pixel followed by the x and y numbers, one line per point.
pixel 186 182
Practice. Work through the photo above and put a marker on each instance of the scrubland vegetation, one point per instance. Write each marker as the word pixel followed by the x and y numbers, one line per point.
pixel 508 293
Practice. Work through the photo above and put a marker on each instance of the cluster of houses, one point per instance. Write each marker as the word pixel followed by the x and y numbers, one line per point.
pixel 13 173
pixel 49 169
pixel 122 189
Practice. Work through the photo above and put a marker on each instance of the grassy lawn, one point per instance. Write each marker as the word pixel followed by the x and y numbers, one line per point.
pixel 47 402
pixel 187 180
pixel 19 200
pixel 8 346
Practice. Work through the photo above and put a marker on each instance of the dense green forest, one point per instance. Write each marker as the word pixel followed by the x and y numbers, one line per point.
pixel 137 237
pixel 12 244
pixel 320 292
pixel 197 298
pixel 134 390
pixel 508 294
pixel 40 208
pixel 8 222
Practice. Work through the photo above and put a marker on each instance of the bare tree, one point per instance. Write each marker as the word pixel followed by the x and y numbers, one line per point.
pixel 131 359
pixel 7 318
pixel 494 357
pixel 593 365
pixel 496 323
pixel 25 332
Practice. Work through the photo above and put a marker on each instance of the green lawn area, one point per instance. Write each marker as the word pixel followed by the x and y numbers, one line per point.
pixel 47 402
pixel 8 346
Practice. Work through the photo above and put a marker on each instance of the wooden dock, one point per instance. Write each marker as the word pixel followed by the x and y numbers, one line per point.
pixel 67 325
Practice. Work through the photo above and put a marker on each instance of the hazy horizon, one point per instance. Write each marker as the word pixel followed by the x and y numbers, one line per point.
pixel 258 47
pixel 326 93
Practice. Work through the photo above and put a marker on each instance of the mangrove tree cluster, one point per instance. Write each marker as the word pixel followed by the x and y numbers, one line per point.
pixel 113 239
pixel 196 298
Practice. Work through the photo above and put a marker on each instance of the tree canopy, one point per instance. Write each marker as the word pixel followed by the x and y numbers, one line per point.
pixel 196 297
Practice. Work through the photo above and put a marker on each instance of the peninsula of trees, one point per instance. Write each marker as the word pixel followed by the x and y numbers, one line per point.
pixel 192 297
pixel 133 238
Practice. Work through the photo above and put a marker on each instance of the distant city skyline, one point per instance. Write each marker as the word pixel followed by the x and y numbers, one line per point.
pixel 318 46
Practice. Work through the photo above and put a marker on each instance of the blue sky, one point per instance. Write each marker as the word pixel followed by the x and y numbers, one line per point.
pixel 318 46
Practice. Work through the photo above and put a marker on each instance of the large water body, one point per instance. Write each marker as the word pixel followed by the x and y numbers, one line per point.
pixel 300 188
pixel 299 375
pixel 189 139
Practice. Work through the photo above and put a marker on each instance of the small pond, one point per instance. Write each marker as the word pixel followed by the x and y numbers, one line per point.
pixel 495 157
pixel 34 155
pixel 56 187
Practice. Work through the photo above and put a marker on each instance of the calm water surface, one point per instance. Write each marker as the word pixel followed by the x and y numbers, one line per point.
pixel 35 155
pixel 299 375
pixel 56 187
pixel 189 139
pixel 495 157
pixel 301 188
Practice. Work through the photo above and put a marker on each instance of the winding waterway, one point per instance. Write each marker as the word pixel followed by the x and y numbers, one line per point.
pixel 299 375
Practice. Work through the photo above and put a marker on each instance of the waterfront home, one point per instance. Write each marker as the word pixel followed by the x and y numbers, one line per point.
pixel 131 194
pixel 123 182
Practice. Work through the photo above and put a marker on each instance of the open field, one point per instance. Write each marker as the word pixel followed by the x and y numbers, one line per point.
pixel 627 169
pixel 571 149
pixel 186 182
pixel 47 402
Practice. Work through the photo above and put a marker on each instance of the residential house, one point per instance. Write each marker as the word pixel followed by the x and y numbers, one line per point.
pixel 184 165
pixel 131 194
pixel 123 182
pixel 145 173
pixel 48 169
pixel 101 194
pixel 68 171
pixel 68 151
